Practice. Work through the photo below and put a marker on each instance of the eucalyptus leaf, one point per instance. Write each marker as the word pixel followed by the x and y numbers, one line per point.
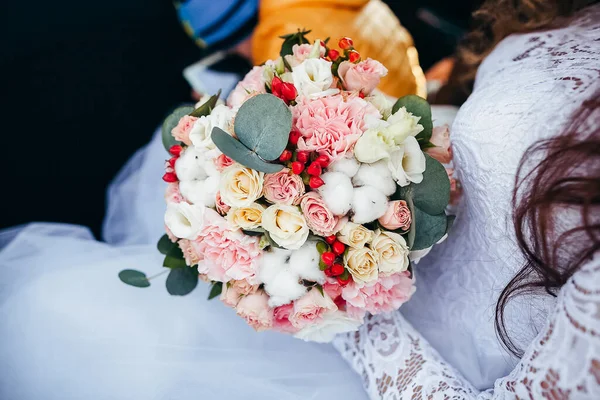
pixel 134 278
pixel 182 281
pixel 450 222
pixel 263 124
pixel 410 235
pixel 171 122
pixel 432 195
pixel 429 229
pixel 254 232
pixel 419 107
pixel 174 258
pixel 165 245
pixel 206 108
pixel 235 150
pixel 215 290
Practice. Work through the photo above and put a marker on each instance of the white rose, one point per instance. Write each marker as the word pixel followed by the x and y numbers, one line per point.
pixel 362 264
pixel 185 220
pixel 392 252
pixel 313 78
pixel 240 186
pixel 407 162
pixel 355 235
pixel 286 225
pixel 328 327
pixel 200 134
pixel 249 217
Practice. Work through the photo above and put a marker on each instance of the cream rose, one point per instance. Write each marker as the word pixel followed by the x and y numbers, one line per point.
pixel 362 264
pixel 407 163
pixel 286 226
pixel 355 235
pixel 248 217
pixel 240 186
pixel 392 252
pixel 313 78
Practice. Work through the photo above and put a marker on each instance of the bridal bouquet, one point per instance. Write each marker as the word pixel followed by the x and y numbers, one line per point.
pixel 303 199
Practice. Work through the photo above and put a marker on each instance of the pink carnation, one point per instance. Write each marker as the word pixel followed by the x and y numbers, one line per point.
pixel 223 162
pixel 283 187
pixel 230 296
pixel 189 253
pixel 310 308
pixel 252 84
pixel 172 194
pixel 170 234
pixel 318 217
pixel 387 294
pixel 182 131
pixel 281 319
pixel 300 52
pixel 255 310
pixel 363 77
pixel 220 205
pixel 330 125
pixel 225 254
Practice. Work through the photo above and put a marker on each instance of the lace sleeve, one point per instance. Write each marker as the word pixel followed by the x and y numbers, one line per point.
pixel 563 362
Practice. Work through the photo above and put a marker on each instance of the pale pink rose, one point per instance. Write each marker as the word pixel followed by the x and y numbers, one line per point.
pixel 230 295
pixel 363 77
pixel 283 187
pixel 244 287
pixel 189 253
pixel 255 310
pixel 226 254
pixel 223 162
pixel 220 205
pixel 440 137
pixel 397 216
pixel 386 294
pixel 170 234
pixel 331 125
pixel 310 308
pixel 252 84
pixel 300 52
pixel 172 194
pixel 181 132
pixel 318 217
pixel 281 319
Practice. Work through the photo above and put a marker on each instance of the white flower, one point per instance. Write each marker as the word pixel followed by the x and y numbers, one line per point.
pixel 189 166
pixel 221 117
pixel 404 122
pixel 313 78
pixel 368 204
pixel 407 162
pixel 286 225
pixel 328 327
pixel 381 102
pixel 392 252
pixel 185 220
pixel 355 235
pixel 345 165
pixel 377 175
pixel 249 217
pixel 200 192
pixel 240 186
pixel 337 192
pixel 416 255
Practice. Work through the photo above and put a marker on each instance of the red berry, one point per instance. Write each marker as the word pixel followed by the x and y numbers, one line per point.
pixel 328 258
pixel 276 86
pixel 330 239
pixel 345 43
pixel 328 272
pixel 302 156
pixel 323 44
pixel 333 54
pixel 315 182
pixel 297 167
pixel 176 150
pixel 361 95
pixel 343 282
pixel 338 247
pixel 285 156
pixel 323 160
pixel 314 169
pixel 294 136
pixel 170 177
pixel 288 92
pixel 337 269
pixel 172 162
pixel 354 56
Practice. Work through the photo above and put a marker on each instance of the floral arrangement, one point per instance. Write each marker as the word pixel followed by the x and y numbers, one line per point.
pixel 303 199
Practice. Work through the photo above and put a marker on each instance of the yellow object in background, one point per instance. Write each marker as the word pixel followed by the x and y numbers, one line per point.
pixel 375 30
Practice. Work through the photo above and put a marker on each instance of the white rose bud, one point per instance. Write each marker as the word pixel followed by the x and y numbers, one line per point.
pixel 286 225
pixel 240 186
pixel 355 235
pixel 362 264
pixel 392 252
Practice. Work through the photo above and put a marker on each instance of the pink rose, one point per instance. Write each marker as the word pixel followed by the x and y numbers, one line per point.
pixel 230 295
pixel 172 194
pixel 283 187
pixel 331 125
pixel 223 162
pixel 281 319
pixel 318 217
pixel 440 137
pixel 244 287
pixel 220 205
pixel 310 308
pixel 387 294
pixel 300 52
pixel 225 254
pixel 255 310
pixel 397 216
pixel 363 77
pixel 455 188
pixel 189 253
pixel 181 132
pixel 252 84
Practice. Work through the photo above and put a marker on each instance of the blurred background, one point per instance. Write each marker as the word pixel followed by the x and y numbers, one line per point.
pixel 83 85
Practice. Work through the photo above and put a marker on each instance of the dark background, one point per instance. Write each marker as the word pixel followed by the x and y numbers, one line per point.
pixel 84 84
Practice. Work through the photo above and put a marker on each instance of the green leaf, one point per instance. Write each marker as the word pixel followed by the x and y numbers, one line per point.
pixel 429 229
pixel 432 195
pixel 174 258
pixel 322 247
pixel 450 222
pixel 322 265
pixel 410 235
pixel 254 232
pixel 320 289
pixel 419 107
pixel 134 278
pixel 171 122
pixel 263 124
pixel 165 245
pixel 292 39
pixel 182 281
pixel 235 150
pixel 215 290
pixel 206 108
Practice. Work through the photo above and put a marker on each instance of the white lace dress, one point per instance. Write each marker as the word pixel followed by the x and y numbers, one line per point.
pixel 443 344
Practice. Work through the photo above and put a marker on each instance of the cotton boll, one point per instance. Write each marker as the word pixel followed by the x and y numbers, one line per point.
pixel 305 263
pixel 188 166
pixel 346 165
pixel 271 262
pixel 337 192
pixel 368 204
pixel 200 192
pixel 377 175
pixel 281 282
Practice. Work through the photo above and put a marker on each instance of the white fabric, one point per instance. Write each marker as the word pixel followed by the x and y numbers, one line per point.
pixel 526 90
